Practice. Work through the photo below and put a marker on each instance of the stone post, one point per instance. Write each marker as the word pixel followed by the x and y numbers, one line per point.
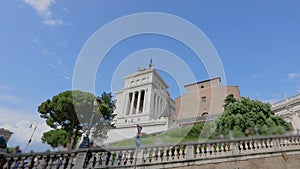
pixel 189 151
pixel 79 160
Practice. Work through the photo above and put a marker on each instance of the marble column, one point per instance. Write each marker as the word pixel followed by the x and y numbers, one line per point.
pixel 138 102
pixel 145 101
pixel 132 103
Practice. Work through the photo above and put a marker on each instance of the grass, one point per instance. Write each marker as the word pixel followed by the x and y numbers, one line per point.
pixel 175 136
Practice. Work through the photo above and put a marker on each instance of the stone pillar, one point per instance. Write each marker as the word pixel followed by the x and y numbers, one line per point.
pixel 132 103
pixel 153 107
pixel 126 112
pixel 80 158
pixel 296 121
pixel 156 106
pixel 189 151
pixel 145 100
pixel 138 102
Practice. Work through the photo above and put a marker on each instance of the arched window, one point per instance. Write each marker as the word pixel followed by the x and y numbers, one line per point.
pixel 204 114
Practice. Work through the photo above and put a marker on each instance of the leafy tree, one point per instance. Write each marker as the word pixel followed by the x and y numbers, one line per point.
pixel 71 111
pixel 55 138
pixel 246 116
pixel 103 118
pixel 229 99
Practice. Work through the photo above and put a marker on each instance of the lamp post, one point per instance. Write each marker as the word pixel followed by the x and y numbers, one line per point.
pixel 32 124
pixel 86 141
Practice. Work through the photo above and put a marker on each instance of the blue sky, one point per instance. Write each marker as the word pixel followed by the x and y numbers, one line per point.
pixel 257 42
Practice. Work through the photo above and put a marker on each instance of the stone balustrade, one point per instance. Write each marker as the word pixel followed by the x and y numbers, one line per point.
pixel 151 156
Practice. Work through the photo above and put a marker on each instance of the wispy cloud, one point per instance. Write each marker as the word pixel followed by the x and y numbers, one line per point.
pixel 66 9
pixel 10 98
pixel 44 51
pixel 51 65
pixel 293 75
pixel 53 22
pixel 4 87
pixel 271 101
pixel 64 76
pixel 43 9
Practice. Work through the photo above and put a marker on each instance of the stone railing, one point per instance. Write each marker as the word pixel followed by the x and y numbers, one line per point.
pixel 152 156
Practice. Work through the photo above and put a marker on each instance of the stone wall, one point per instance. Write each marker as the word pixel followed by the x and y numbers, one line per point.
pixel 281 161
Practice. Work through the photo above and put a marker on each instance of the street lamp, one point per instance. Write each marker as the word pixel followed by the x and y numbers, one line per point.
pixel 32 124
pixel 86 141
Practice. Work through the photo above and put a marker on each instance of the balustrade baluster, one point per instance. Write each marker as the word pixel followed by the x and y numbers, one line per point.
pixel 114 157
pixel 202 150
pixel 295 140
pixel 217 149
pixel 259 145
pixel 153 156
pixel 181 156
pixel 198 150
pixel 66 160
pixel 148 155
pixel 247 145
pixel 267 143
pixel 253 145
pixel 271 143
pixel 125 158
pixel 205 149
pixel 250 146
pixel 36 161
pixel 175 152
pixel 226 147
pixel 208 149
pixel 93 159
pixel 183 152
pixel 241 147
pixel 170 153
pixel 160 153
pixel 165 155
pixel 100 159
pixel 262 144
pixel 290 141
pixel 21 163
pixel 71 160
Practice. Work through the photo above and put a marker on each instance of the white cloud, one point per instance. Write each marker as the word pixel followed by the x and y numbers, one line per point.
pixel 43 9
pixel 66 9
pixel 44 51
pixel 53 22
pixel 293 75
pixel 51 65
pixel 64 76
pixel 5 87
pixel 19 123
pixel 271 101
pixel 10 98
pixel 59 62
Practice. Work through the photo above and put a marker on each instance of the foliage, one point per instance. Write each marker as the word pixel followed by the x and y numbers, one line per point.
pixel 55 138
pixel 103 119
pixel 249 117
pixel 71 111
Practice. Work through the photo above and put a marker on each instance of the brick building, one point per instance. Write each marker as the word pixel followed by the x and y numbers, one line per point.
pixel 204 99
pixel 6 133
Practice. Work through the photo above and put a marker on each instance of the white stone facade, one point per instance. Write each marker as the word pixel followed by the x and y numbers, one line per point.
pixel 145 101
pixel 289 109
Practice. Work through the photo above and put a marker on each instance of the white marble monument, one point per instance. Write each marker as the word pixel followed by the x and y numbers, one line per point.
pixel 289 109
pixel 143 101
